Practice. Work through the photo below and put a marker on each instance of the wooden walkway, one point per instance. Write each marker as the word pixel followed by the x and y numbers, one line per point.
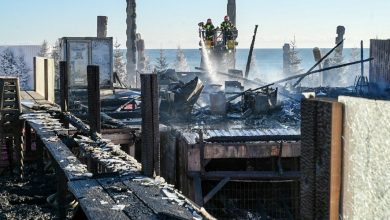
pixel 113 186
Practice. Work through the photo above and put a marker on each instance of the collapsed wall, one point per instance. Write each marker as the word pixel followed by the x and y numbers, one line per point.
pixel 366 176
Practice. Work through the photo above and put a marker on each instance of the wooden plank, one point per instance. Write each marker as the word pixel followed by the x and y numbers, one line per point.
pixel 94 201
pixel 308 142
pixel 197 187
pixel 59 152
pixel 251 175
pixel 321 159
pixel 250 150
pixel 152 197
pixel 193 155
pixel 25 96
pixel 215 190
pixel 122 195
pixel 336 160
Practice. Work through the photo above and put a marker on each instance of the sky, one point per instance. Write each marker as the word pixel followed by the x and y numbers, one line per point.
pixel 172 23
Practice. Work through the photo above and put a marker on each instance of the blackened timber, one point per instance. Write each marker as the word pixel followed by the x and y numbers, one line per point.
pixel 93 98
pixel 90 195
pixel 27 129
pixel 248 64
pixel 150 125
pixel 249 175
pixel 64 86
pixel 124 114
pixel 251 150
pixel 245 135
pixel 59 152
pixel 216 189
pixel 321 159
pixel 102 26
pixel 308 135
pixel 197 186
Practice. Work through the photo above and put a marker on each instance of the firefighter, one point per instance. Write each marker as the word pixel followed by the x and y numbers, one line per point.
pixel 227 28
pixel 209 29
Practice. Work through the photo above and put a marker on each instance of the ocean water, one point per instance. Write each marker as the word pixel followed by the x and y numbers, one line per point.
pixel 269 62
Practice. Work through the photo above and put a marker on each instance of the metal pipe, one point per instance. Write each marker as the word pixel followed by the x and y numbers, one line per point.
pixel 324 69
pixel 317 63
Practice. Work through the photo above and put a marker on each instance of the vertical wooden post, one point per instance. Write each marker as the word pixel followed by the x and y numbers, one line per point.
pixel 317 57
pixel 150 125
pixel 130 43
pixel 64 90
pixel 27 132
pixel 197 186
pixel 321 132
pixel 46 77
pixel 286 59
pixel 231 11
pixel 39 147
pixel 61 193
pixel 102 26
pixel 64 86
pixel 93 99
pixel 141 57
pixel 340 36
pixel 10 152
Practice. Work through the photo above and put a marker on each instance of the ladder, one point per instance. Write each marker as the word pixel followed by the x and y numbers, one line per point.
pixel 10 124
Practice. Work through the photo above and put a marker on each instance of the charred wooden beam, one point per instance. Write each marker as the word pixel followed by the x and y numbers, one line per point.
pixel 321 159
pixel 249 175
pixel 248 64
pixel 252 150
pixel 64 100
pixel 216 189
pixel 150 125
pixel 93 98
pixel 102 26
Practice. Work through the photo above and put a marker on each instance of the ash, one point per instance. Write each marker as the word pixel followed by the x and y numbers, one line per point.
pixel 26 199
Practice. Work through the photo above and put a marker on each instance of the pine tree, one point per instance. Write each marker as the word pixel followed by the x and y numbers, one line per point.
pixel 7 63
pixel 161 62
pixel 11 65
pixel 181 64
pixel 148 66
pixel 55 54
pixel 45 50
pixel 295 61
pixel 119 63
pixel 22 72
